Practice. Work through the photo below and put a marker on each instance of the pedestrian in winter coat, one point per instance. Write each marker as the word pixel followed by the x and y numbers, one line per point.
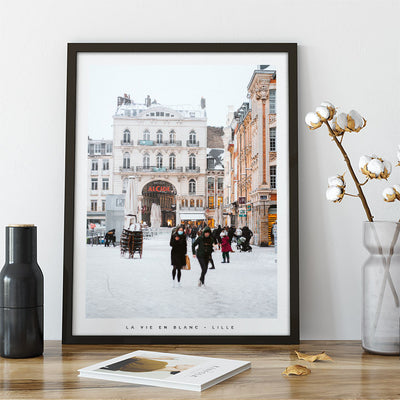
pixel 204 245
pixel 226 248
pixel 178 252
pixel 231 233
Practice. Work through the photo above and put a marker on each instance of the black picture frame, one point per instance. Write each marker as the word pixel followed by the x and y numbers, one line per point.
pixel 74 49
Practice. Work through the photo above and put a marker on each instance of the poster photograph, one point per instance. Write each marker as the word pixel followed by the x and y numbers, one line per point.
pixel 181 194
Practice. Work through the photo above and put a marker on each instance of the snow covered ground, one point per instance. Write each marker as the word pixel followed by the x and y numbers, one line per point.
pixel 119 287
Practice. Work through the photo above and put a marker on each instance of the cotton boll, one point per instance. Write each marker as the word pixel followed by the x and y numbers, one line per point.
pixel 364 160
pixel 313 120
pixel 334 193
pixel 375 167
pixel 389 194
pixel 396 188
pixel 356 121
pixel 336 181
pixel 341 120
pixel 388 166
pixel 323 113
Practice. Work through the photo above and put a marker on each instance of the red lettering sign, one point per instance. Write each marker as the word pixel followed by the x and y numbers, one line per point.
pixel 159 189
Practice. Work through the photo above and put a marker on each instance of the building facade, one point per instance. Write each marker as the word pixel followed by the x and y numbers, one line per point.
pixel 164 147
pixel 100 180
pixel 252 153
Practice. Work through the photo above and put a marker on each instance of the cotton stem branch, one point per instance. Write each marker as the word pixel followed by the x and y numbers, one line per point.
pixel 352 173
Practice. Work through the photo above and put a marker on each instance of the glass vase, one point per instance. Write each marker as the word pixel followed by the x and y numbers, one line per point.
pixel 381 288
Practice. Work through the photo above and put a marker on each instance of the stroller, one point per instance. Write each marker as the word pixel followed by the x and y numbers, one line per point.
pixel 243 244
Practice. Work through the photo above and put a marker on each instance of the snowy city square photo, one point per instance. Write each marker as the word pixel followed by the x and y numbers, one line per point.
pixel 178 185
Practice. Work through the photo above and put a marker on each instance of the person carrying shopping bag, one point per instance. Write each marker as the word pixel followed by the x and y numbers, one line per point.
pixel 202 248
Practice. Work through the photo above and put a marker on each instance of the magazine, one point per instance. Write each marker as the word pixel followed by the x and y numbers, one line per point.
pixel 169 370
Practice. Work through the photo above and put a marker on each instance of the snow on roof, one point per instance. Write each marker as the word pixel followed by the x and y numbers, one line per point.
pixel 142 111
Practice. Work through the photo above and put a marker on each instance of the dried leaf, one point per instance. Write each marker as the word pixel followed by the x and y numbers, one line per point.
pixel 296 370
pixel 313 357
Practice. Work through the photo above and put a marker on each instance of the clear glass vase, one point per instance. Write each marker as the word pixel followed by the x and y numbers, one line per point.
pixel 381 288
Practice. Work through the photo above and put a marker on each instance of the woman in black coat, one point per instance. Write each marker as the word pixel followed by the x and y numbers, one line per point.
pixel 178 252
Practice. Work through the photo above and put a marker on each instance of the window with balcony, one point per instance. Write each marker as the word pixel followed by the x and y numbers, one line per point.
pixel 201 203
pixel 146 160
pixel 192 161
pixel 127 136
pixel 192 137
pixel 197 203
pixel 192 186
pixel 272 101
pixel 97 148
pixel 272 139
pixel 93 205
pixel 95 165
pixel 94 183
pixel 272 175
pixel 127 161
pixel 106 165
pixel 159 137
pixel 172 137
pixel 172 161
pixel 105 183
pixel 191 203
pixel 146 135
pixel 109 148
pixel 159 160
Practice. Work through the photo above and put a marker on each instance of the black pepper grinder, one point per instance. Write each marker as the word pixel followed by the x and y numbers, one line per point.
pixel 21 295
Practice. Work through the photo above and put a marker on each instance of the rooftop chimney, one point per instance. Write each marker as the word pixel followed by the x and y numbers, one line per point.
pixel 147 101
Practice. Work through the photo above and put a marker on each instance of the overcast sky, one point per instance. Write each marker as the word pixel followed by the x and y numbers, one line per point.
pixel 221 86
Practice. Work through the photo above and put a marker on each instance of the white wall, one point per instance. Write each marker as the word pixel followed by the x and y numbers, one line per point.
pixel 348 54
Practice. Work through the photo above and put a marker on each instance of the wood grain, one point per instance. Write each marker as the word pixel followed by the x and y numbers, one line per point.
pixel 353 374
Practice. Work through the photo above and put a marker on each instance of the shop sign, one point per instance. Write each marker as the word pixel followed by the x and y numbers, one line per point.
pixel 159 187
pixel 242 212
pixel 242 200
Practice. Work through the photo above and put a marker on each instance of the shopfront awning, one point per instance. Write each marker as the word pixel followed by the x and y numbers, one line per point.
pixel 192 216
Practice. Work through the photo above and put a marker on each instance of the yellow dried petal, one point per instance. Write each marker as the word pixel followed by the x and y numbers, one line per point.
pixel 313 357
pixel 296 370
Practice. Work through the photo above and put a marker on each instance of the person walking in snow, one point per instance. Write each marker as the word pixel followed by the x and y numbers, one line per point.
pixel 178 252
pixel 225 247
pixel 202 248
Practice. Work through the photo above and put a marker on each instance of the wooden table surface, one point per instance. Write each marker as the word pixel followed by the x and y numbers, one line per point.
pixel 353 374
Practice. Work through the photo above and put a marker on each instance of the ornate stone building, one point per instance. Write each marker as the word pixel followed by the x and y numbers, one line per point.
pixel 215 176
pixel 100 178
pixel 164 148
pixel 252 152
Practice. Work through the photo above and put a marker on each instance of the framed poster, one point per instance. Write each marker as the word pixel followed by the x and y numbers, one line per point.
pixel 197 135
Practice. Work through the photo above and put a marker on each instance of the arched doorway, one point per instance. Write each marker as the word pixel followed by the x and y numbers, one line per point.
pixel 164 194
